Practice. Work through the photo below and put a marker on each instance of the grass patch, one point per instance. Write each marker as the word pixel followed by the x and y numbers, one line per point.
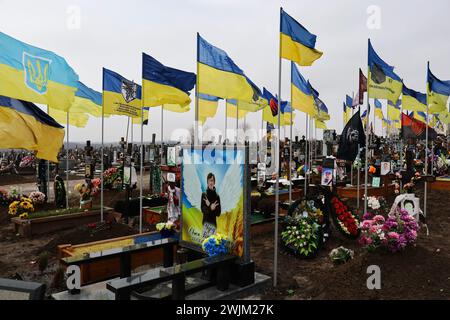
pixel 58 212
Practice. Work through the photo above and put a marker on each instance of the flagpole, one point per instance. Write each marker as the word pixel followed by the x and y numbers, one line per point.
pixel 277 166
pixel 48 169
pixel 366 176
pixel 237 121
pixel 305 166
pixel 102 164
pixel 401 138
pixel 162 125
pixel 67 160
pixel 351 166
pixel 141 169
pixel 141 164
pixel 226 123
pixel 290 152
pixel 196 138
pixel 426 151
pixel 128 126
pixel 311 145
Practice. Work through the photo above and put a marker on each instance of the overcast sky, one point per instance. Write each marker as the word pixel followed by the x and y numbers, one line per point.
pixel 113 34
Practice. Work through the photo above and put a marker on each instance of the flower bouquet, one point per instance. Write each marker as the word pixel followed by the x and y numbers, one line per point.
pixel 302 237
pixel 21 208
pixel 87 191
pixel 341 255
pixel 112 178
pixel 37 197
pixel 216 245
pixel 393 233
pixel 346 222
pixel 167 229
pixel 306 208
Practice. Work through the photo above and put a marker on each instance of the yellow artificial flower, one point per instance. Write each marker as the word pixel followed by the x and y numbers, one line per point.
pixel 24 216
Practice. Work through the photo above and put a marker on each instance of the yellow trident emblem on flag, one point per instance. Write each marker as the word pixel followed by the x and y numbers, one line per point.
pixel 36 72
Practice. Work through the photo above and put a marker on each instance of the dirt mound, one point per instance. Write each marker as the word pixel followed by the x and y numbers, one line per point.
pixel 84 234
pixel 420 272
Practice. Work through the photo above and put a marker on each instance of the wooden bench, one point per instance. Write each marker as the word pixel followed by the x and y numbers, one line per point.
pixel 125 253
pixel 123 288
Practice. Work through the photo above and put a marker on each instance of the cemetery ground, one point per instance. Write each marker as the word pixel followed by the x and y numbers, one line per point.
pixel 420 272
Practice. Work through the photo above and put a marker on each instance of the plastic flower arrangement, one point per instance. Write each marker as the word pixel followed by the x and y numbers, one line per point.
pixel 216 245
pixel 21 208
pixel 308 209
pixel 341 255
pixel 393 233
pixel 357 164
pixel 302 237
pixel 166 229
pixel 345 221
pixel 15 193
pixel 373 203
pixel 37 197
pixel 112 178
pixel 169 225
pixel 441 165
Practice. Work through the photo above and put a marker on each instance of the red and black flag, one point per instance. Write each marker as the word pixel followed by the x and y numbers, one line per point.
pixel 362 86
pixel 412 128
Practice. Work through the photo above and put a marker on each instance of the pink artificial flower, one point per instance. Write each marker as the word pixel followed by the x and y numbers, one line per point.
pixel 366 224
pixel 393 235
pixel 378 219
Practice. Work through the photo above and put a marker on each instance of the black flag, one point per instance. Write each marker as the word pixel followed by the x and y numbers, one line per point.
pixel 352 135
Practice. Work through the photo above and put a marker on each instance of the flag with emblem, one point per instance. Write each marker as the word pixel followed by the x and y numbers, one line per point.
pixel 352 136
pixel 37 75
pixel 383 82
pixel 120 95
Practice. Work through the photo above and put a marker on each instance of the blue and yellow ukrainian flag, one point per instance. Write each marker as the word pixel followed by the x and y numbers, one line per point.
pixel 438 92
pixel 394 111
pixel 33 74
pixel 165 85
pixel 219 76
pixel 322 110
pixel 24 126
pixel 379 109
pixel 87 101
pixel 302 98
pixel 349 101
pixel 320 124
pixel 207 107
pixel 288 114
pixel 383 82
pixel 414 100
pixel 419 115
pixel 138 120
pixel 234 109
pixel 285 116
pixel 120 95
pixel 344 112
pixel 297 43
pixel 176 108
pixel 77 119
